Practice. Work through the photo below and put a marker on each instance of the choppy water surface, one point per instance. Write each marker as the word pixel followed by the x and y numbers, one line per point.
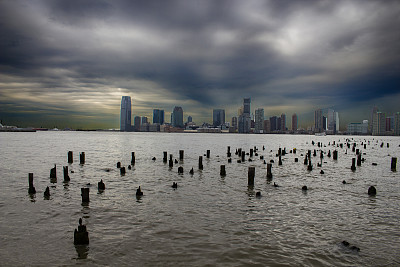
pixel 209 220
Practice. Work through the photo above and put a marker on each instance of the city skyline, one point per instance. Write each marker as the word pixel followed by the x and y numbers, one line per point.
pixel 68 65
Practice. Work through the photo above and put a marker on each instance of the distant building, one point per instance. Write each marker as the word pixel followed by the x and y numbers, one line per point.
pixel 246 105
pixel 126 113
pixel 234 122
pixel 278 124
pixel 372 120
pixel 396 123
pixel 318 121
pixel 144 120
pixel 154 127
pixel 324 123
pixel 358 128
pixel 190 119
pixel 259 121
pixel 177 117
pixel 218 117
pixel 294 122
pixel 244 120
pixel 333 121
pixel 273 123
pixel 144 127
pixel 136 124
pixel 379 124
pixel 267 126
pixel 283 122
pixel 158 116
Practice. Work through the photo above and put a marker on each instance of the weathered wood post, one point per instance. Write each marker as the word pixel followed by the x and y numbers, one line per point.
pixel 279 151
pixel 321 156
pixel 180 170
pixel 296 159
pixel 365 146
pixel 222 171
pixel 122 170
pixel 243 156
pixel 66 176
pixel 228 153
pixel 357 151
pixel 181 152
pixel 269 170
pixel 393 164
pixel 118 164
pixel 46 193
pixel 31 189
pixel 329 154
pixel 309 167
pixel 335 155
pixel 200 162
pixel 353 164
pixel 101 186
pixel 133 159
pixel 165 157
pixel 81 236
pixel 171 162
pixel 53 172
pixel 239 152
pixel 294 150
pixel 251 152
pixel 208 154
pixel 280 160
pixel 85 194
pixel 306 160
pixel 251 174
pixel 359 160
pixel 70 157
pixel 82 158
pixel 315 153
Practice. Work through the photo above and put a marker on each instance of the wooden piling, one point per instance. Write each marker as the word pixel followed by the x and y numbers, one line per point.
pixel 181 152
pixel 122 170
pixel 243 156
pixel 208 154
pixel 335 155
pixel 70 157
pixel 101 186
pixel 53 172
pixel 393 164
pixel 171 162
pixel 165 157
pixel 251 174
pixel 180 170
pixel 82 158
pixel 269 170
pixel 353 164
pixel 222 171
pixel 85 194
pixel 359 160
pixel 309 167
pixel 118 164
pixel 200 162
pixel 280 160
pixel 66 175
pixel 81 236
pixel 31 189
pixel 251 152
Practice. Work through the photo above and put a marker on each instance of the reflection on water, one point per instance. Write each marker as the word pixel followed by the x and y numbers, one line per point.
pixel 209 219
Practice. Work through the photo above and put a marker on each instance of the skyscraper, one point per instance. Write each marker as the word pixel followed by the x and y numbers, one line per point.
pixel 234 122
pixel 244 121
pixel 190 119
pixel 259 121
pixel 294 122
pixel 177 117
pixel 379 126
pixel 136 123
pixel 273 122
pixel 144 120
pixel 396 123
pixel 218 117
pixel 318 121
pixel 283 122
pixel 158 116
pixel 372 120
pixel 126 113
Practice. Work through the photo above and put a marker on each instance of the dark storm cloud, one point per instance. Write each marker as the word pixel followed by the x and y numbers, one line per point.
pixel 290 55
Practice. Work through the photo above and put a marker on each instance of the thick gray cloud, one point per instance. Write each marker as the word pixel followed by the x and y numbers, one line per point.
pixel 69 57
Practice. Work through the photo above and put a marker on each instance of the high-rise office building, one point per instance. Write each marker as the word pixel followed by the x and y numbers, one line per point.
pixel 379 126
pixel 396 123
pixel 218 117
pixel 283 122
pixel 144 120
pixel 259 121
pixel 235 122
pixel 267 126
pixel 372 119
pixel 294 122
pixel 126 113
pixel 190 119
pixel 158 116
pixel 136 123
pixel 244 120
pixel 177 117
pixel 333 121
pixel 273 123
pixel 318 121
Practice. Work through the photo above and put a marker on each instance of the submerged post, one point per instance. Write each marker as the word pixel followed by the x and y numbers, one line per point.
pixel 243 156
pixel 200 162
pixel 353 164
pixel 251 174
pixel 66 176
pixel 181 152
pixel 251 152
pixel 269 170
pixel 31 189
pixel 222 171
pixel 280 160
pixel 82 158
pixel 81 236
pixel 228 153
pixel 208 154
pixel 359 160
pixel 335 155
pixel 70 157
pixel 165 157
pixel 170 162
pixel 393 164
pixel 85 194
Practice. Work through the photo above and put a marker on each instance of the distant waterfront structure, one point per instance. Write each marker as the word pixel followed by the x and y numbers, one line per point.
pixel 294 122
pixel 144 120
pixel 234 122
pixel 396 123
pixel 372 119
pixel 333 121
pixel 259 121
pixel 267 126
pixel 218 117
pixel 379 125
pixel 244 120
pixel 126 113
pixel 318 121
pixel 190 119
pixel 136 123
pixel 158 116
pixel 283 122
pixel 177 117
pixel 273 123
pixel 358 128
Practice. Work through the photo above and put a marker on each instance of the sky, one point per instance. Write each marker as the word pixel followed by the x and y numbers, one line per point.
pixel 68 63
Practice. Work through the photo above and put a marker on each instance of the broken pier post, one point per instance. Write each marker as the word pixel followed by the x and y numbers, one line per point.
pixel 181 152
pixel 85 195
pixel 200 162
pixel 208 154
pixel 353 164
pixel 133 160
pixel 31 189
pixel 222 171
pixel 269 170
pixel 82 158
pixel 81 236
pixel 66 176
pixel 70 157
pixel 251 174
pixel 165 156
pixel 393 164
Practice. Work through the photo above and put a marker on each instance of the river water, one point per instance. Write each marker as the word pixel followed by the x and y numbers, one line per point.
pixel 208 220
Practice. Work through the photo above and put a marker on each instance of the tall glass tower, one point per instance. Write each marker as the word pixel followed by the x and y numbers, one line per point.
pixel 126 111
